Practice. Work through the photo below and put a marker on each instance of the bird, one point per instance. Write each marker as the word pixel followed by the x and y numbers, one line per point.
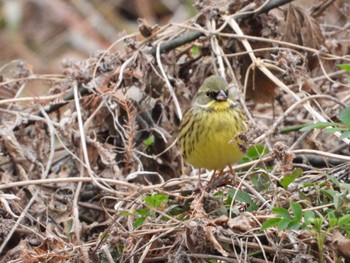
pixel 209 131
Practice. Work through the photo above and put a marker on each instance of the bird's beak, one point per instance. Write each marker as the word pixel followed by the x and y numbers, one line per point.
pixel 221 96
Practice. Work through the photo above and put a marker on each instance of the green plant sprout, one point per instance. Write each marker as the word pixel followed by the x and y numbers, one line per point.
pixel 332 127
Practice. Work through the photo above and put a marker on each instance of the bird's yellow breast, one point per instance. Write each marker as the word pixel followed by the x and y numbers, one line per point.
pixel 208 146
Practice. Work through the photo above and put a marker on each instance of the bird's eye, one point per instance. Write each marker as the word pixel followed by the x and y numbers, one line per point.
pixel 211 94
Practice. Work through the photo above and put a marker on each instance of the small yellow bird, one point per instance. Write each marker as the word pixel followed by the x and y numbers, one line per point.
pixel 209 128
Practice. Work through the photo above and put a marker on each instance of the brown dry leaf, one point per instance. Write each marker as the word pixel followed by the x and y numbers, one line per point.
pixel 306 236
pixel 260 88
pixel 4 201
pixel 60 205
pixel 5 91
pixel 221 220
pixel 281 154
pixel 6 176
pixel 341 244
pixel 195 235
pixel 337 16
pixel 51 250
pixel 209 231
pixel 146 29
pixel 198 210
pixel 242 223
pixel 304 30
pixel 14 253
pixel 310 86
pixel 12 146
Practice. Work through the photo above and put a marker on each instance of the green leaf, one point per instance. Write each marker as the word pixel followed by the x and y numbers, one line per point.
pixel 221 211
pixel 235 211
pixel 254 153
pixel 332 219
pixel 344 220
pixel 308 216
pixel 240 196
pixel 139 221
pixel 344 116
pixel 270 223
pixel 337 200
pixel 334 181
pixel 343 187
pixel 335 129
pixel 293 225
pixel 126 213
pixel 332 222
pixel 195 51
pixel 252 207
pixel 297 210
pixel 219 193
pixel 104 235
pixel 308 184
pixel 330 193
pixel 156 200
pixel 317 224
pixel 142 212
pixel 345 67
pixel 346 228
pixel 289 178
pixel 261 181
pixel 149 141
pixel 345 135
pixel 291 128
pixel 283 224
pixel 175 210
pixel 331 215
pixel 282 212
pixel 319 125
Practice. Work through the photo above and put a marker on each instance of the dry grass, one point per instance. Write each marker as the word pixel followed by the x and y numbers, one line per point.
pixel 91 172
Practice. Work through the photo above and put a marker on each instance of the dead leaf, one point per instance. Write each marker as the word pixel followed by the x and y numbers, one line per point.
pixel 197 207
pixel 12 146
pixel 221 220
pixel 4 200
pixel 302 29
pixel 281 154
pixel 209 231
pixel 146 29
pixel 341 244
pixel 242 223
pixel 195 238
pixel 260 88
pixel 310 87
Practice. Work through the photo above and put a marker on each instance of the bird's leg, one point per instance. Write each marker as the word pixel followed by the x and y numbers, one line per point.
pixel 220 179
pixel 200 185
pixel 203 194
pixel 233 173
pixel 221 173
pixel 213 179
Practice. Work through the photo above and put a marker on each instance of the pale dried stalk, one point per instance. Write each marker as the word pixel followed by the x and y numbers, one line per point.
pixel 262 66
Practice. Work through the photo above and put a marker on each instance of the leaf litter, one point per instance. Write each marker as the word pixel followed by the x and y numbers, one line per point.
pixel 91 171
